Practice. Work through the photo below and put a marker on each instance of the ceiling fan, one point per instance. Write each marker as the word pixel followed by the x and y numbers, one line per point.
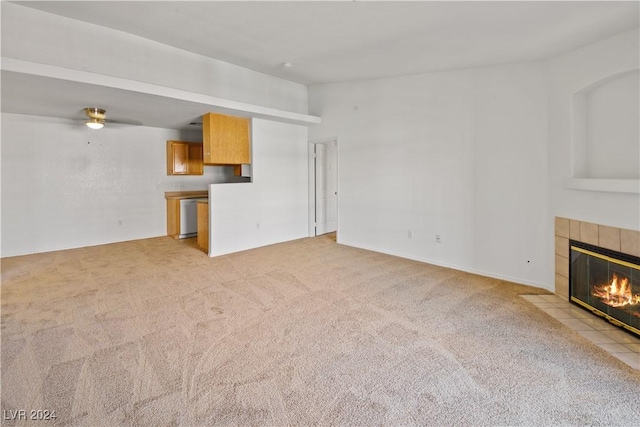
pixel 96 118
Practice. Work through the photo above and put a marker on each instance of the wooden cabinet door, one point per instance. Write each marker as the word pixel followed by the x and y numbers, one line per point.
pixel 180 158
pixel 203 226
pixel 226 139
pixel 173 218
pixel 184 158
pixel 195 159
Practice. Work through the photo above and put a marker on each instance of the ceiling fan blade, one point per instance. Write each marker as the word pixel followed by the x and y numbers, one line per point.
pixel 102 115
pixel 124 122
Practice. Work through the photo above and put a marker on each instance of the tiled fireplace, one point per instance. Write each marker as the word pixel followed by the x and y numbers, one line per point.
pixel 599 251
pixel 615 239
pixel 620 344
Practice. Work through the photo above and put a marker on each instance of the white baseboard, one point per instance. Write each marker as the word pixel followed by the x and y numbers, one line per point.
pixel 471 270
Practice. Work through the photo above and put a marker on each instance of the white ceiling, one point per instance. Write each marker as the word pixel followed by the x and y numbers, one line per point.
pixel 324 41
pixel 340 41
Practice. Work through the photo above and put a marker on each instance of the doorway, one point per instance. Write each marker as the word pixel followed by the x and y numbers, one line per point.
pixel 323 186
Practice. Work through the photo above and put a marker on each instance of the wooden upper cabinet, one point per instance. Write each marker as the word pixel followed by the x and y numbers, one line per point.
pixel 226 139
pixel 184 158
pixel 195 159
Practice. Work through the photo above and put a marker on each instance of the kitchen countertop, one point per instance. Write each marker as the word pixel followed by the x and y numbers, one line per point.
pixel 186 194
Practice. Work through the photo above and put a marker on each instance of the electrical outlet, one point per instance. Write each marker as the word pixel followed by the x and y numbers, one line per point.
pixel 257 225
pixel 408 234
pixel 438 239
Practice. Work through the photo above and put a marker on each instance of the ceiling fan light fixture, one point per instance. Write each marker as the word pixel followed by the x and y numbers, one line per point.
pixel 96 117
pixel 94 123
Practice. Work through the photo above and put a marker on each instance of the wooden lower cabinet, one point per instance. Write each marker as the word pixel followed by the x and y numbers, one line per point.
pixel 203 225
pixel 173 208
pixel 173 218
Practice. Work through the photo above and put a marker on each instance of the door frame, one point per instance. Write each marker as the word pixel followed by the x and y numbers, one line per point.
pixel 312 182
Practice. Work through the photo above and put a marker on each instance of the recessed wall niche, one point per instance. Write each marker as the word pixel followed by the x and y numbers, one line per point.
pixel 606 129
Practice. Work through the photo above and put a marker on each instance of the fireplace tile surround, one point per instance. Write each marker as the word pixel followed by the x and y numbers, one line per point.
pixel 610 338
pixel 616 239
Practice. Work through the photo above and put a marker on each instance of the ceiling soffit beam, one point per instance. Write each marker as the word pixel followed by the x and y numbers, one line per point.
pixel 216 104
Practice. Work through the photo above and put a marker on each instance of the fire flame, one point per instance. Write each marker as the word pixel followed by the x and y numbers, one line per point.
pixel 617 293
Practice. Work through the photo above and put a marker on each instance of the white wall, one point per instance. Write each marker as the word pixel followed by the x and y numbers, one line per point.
pixel 37 36
pixel 569 74
pixel 66 186
pixel 271 209
pixel 613 128
pixel 60 192
pixel 461 154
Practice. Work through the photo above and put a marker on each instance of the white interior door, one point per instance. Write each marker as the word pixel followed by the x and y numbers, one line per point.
pixel 326 187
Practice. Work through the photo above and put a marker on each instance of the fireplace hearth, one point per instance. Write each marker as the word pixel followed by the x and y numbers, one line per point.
pixel 607 283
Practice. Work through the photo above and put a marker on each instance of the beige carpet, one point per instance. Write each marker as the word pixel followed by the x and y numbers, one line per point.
pixel 154 333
